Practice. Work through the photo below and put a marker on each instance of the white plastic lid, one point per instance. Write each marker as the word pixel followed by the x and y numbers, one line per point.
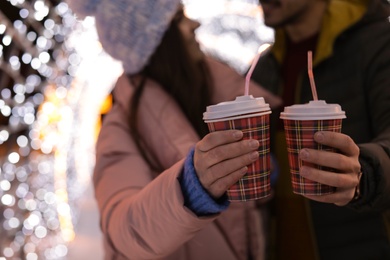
pixel 314 110
pixel 240 106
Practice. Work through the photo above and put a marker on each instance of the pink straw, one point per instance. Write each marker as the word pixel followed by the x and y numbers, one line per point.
pixel 262 48
pixel 311 76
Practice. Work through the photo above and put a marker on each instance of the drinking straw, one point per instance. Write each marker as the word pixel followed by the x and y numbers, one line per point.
pixel 261 49
pixel 311 76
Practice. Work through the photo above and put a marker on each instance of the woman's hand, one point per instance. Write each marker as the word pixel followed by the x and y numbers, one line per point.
pixel 345 162
pixel 221 159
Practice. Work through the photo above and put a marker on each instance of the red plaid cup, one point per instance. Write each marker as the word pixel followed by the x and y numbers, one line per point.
pixel 251 116
pixel 300 134
pixel 301 122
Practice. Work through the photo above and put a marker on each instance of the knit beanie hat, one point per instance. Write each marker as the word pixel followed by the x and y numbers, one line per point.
pixel 129 30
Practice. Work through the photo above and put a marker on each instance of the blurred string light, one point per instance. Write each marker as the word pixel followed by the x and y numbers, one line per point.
pixel 47 117
pixel 36 219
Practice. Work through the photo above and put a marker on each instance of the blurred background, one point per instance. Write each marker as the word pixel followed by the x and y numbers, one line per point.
pixel 55 81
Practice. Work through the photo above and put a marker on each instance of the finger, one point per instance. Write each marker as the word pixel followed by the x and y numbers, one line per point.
pixel 225 168
pixel 339 180
pixel 220 186
pixel 330 159
pixel 340 141
pixel 218 138
pixel 326 198
pixel 338 198
pixel 228 151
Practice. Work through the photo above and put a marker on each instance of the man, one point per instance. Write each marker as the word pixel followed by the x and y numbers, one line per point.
pixel 350 40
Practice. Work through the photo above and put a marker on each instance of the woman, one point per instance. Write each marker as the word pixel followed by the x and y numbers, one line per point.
pixel 153 182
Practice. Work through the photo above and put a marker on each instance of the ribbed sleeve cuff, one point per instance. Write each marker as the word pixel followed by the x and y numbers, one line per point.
pixel 196 198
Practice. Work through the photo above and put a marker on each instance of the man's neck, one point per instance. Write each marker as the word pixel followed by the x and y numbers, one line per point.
pixel 309 25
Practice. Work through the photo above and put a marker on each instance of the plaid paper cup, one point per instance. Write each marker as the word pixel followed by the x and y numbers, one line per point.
pixel 300 134
pixel 256 183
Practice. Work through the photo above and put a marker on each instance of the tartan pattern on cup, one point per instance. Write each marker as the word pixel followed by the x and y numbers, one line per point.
pixel 255 184
pixel 300 134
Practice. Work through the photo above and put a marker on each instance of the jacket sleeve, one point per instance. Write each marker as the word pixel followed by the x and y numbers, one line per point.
pixel 375 155
pixel 142 217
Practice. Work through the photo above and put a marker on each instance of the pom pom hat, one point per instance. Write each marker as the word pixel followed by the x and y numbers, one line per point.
pixel 129 30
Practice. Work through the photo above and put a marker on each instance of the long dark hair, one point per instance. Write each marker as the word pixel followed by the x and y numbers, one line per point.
pixel 186 80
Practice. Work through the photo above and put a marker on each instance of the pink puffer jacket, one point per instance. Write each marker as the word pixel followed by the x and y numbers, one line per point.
pixel 143 216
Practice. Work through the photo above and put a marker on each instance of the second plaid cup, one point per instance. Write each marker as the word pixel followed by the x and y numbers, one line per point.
pixel 301 122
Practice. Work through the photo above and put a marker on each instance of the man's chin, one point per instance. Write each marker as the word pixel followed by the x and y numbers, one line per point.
pixel 272 24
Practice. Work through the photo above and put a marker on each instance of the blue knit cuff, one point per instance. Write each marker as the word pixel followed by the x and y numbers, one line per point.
pixel 196 198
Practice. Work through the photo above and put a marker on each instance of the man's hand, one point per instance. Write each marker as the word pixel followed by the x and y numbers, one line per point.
pixel 345 162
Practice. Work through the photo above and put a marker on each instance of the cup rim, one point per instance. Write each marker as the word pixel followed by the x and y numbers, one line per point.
pixel 236 117
pixel 317 117
pixel 240 106
pixel 314 110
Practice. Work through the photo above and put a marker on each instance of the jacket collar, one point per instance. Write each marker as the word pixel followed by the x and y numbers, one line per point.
pixel 340 15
